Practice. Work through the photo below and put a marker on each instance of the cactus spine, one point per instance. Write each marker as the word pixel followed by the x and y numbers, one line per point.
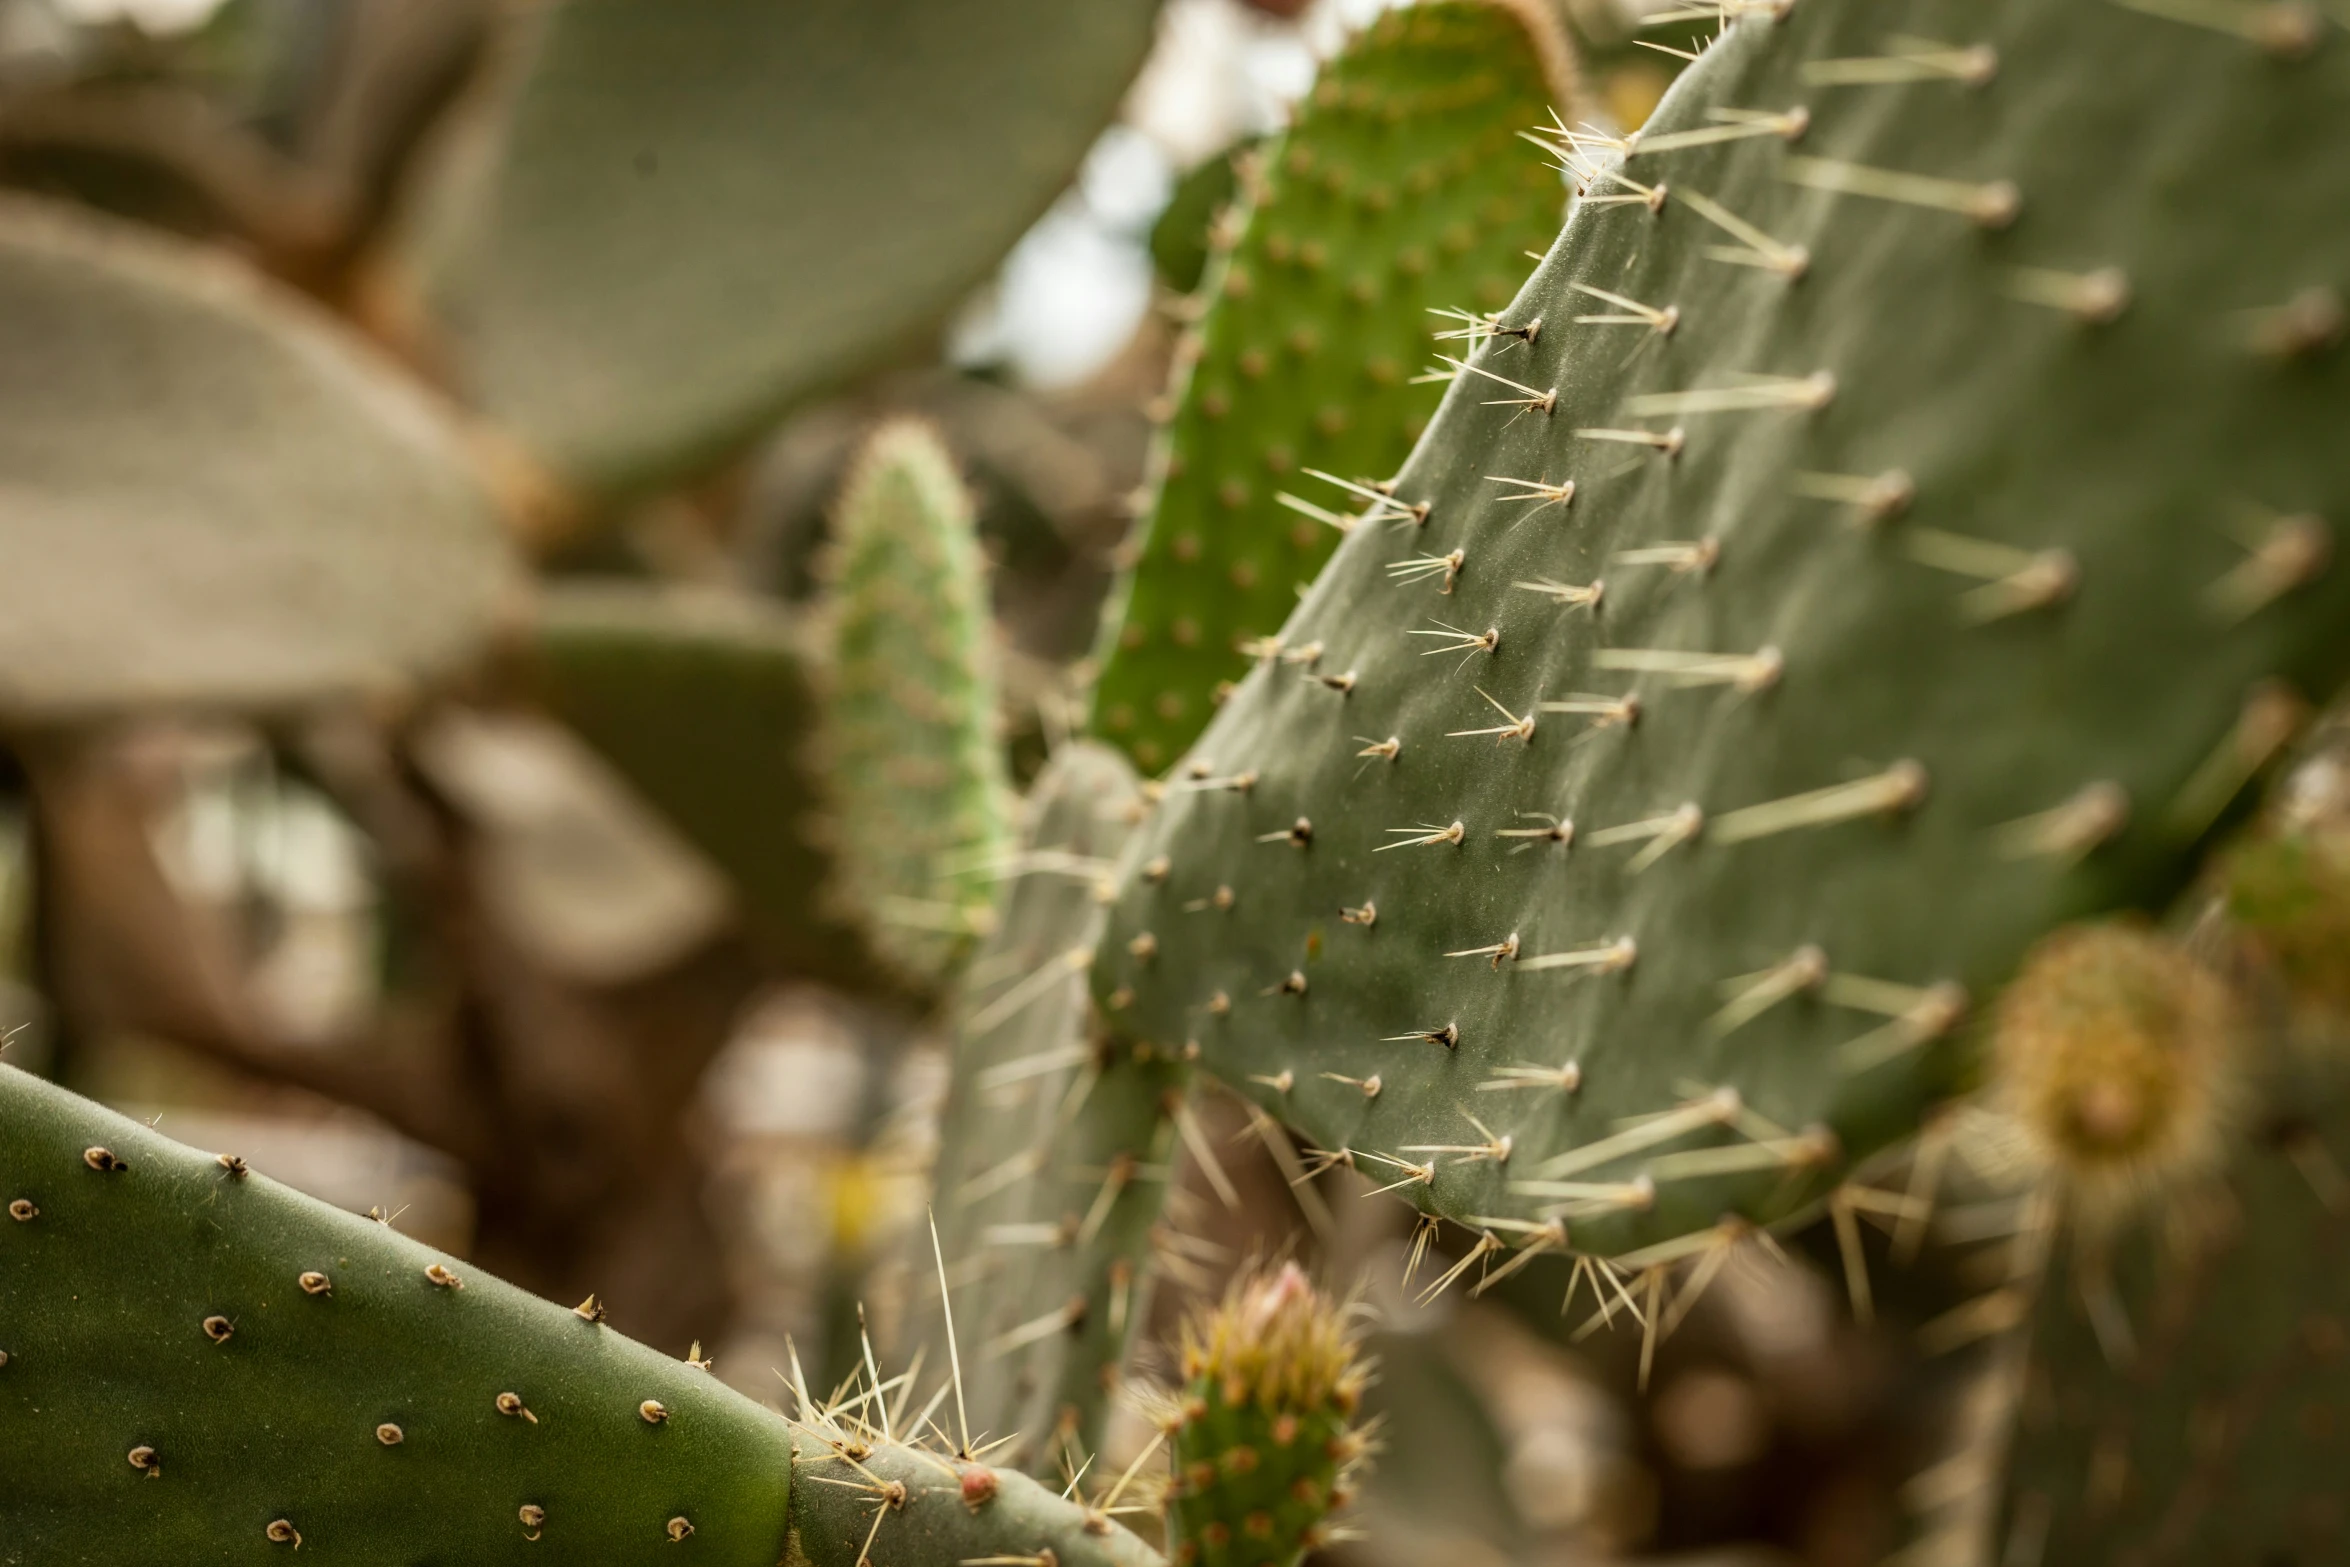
pixel 919 793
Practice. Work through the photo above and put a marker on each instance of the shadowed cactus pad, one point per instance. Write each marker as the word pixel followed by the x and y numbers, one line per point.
pixel 1052 1165
pixel 1402 189
pixel 203 1366
pixel 1953 434
pixel 920 801
pixel 705 703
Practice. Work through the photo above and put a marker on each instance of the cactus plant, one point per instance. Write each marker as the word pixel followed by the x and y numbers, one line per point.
pixel 1263 1438
pixel 350 550
pixel 1401 191
pixel 203 1366
pixel 697 215
pixel 919 796
pixel 1741 676
pixel 1054 1149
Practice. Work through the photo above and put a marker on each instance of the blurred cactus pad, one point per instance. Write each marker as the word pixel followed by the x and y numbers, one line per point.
pixel 1401 192
pixel 1909 529
pixel 348 551
pixel 691 215
pixel 920 804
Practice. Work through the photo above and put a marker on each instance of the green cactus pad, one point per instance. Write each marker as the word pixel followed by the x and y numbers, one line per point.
pixel 2185 1376
pixel 920 799
pixel 1958 447
pixel 204 1367
pixel 1402 189
pixel 704 702
pixel 1262 1446
pixel 1052 1162
pixel 693 215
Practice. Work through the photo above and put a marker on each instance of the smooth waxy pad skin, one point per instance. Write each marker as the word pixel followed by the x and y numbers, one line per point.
pixel 1402 188
pixel 920 804
pixel 162 1307
pixel 2015 754
pixel 1051 1166
pixel 290 524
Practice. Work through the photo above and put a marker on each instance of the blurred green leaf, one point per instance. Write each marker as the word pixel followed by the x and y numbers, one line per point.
pixel 209 495
pixel 703 211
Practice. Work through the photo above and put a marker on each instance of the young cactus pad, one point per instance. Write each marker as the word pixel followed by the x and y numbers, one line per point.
pixel 199 1366
pixel 1954 434
pixel 1402 189
pixel 1263 1449
pixel 920 798
pixel 1053 1149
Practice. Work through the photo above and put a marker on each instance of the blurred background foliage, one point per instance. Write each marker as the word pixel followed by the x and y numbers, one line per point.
pixel 421 423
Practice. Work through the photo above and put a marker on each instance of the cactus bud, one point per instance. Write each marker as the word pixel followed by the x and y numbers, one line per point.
pixel 1272 1379
pixel 2115 1053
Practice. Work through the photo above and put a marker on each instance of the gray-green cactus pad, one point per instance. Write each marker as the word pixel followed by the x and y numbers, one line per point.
pixel 1959 449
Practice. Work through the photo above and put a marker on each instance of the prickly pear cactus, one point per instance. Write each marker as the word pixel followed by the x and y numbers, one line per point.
pixel 1262 1439
pixel 1402 191
pixel 1054 1146
pixel 920 801
pixel 203 1366
pixel 1909 530
pixel 198 1365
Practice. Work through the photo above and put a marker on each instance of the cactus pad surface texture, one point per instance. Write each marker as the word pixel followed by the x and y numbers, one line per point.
pixel 1402 189
pixel 921 806
pixel 1952 396
pixel 1051 1167
pixel 204 1367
